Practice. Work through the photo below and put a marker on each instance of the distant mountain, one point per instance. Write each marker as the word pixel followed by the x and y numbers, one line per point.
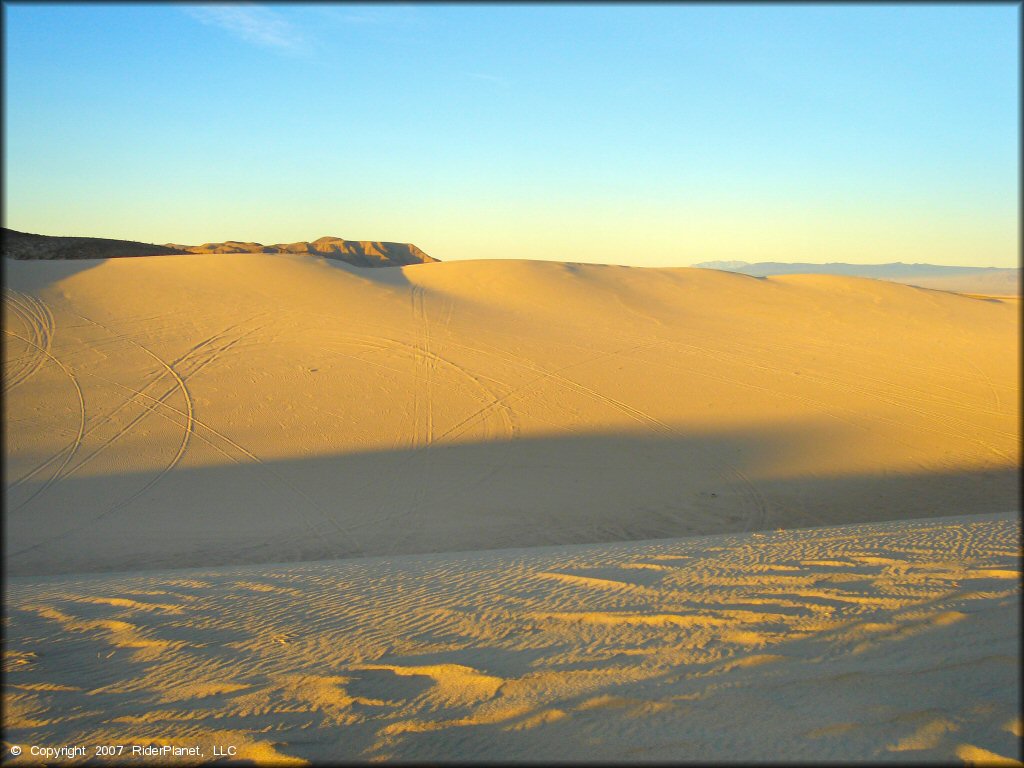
pixel 728 266
pixel 361 253
pixel 991 280
pixel 24 245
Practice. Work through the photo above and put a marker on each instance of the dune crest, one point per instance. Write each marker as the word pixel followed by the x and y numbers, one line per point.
pixel 256 407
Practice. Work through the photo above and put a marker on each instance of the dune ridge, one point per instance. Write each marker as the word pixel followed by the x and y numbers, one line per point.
pixel 233 408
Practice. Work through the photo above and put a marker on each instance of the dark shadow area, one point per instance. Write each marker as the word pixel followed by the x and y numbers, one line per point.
pixel 390 274
pixel 35 275
pixel 521 493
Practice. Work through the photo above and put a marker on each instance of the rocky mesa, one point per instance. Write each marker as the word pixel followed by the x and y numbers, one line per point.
pixel 360 253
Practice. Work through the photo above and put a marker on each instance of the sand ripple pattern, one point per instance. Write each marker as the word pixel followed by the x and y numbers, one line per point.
pixel 831 643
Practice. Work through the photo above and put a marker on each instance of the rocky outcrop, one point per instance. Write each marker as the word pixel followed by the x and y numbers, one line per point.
pixel 361 253
pixel 25 245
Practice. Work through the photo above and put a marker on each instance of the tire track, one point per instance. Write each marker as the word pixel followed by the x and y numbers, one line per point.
pixel 189 418
pixel 759 504
pixel 216 433
pixel 71 449
pixel 375 339
pixel 190 422
pixel 991 386
pixel 423 436
pixel 427 366
pixel 379 343
pixel 416 394
pixel 196 359
pixel 39 323
pixel 423 359
pixel 107 418
pixel 184 359
pixel 386 344
pixel 556 376
pixel 431 366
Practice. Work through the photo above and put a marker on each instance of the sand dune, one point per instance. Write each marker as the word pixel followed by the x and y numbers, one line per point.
pixel 193 442
pixel 893 642
pixel 222 409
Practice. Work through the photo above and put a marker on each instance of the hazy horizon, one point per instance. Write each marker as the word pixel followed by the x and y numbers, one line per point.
pixel 649 136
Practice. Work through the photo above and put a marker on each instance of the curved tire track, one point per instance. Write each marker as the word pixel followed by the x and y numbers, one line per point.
pixel 71 449
pixel 39 324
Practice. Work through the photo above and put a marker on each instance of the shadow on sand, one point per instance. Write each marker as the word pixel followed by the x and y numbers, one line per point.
pixel 520 493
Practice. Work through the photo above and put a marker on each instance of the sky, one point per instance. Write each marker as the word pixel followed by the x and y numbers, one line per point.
pixel 647 135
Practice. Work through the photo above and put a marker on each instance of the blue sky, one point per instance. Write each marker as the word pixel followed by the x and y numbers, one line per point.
pixel 656 135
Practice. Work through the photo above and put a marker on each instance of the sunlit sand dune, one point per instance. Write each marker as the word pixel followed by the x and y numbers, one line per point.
pixel 876 642
pixel 282 505
pixel 201 410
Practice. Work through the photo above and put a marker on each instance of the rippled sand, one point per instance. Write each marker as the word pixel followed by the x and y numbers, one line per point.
pixel 870 642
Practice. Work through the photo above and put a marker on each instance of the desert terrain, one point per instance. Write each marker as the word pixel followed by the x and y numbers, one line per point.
pixel 999 282
pixel 508 510
pixel 893 642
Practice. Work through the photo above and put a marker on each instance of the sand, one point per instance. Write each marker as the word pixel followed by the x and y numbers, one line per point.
pixel 179 411
pixel 868 643
pixel 460 511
